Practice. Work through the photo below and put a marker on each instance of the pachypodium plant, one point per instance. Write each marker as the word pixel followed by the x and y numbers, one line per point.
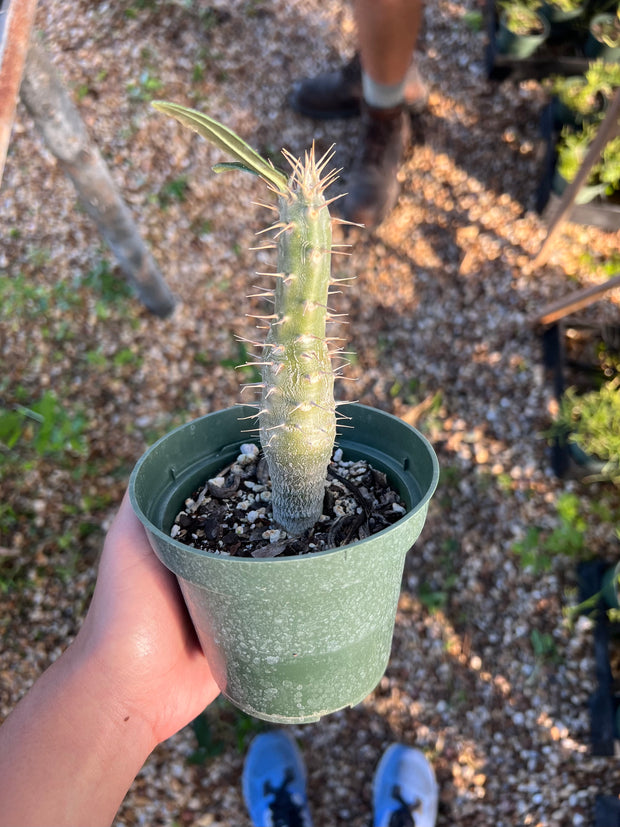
pixel 297 412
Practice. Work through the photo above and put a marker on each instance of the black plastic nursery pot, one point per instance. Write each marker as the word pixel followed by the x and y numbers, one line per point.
pixel 289 639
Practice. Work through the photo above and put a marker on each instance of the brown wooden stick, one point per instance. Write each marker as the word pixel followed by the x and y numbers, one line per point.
pixel 605 132
pixel 14 39
pixel 574 302
pixel 59 122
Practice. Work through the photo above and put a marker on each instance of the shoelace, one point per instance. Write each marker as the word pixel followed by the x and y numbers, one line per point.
pixel 284 811
pixel 403 817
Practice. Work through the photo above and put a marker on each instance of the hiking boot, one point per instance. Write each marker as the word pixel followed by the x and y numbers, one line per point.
pixel 404 790
pixel 274 782
pixel 338 94
pixel 372 188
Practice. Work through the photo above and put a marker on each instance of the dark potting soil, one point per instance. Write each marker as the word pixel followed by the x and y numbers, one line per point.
pixel 231 513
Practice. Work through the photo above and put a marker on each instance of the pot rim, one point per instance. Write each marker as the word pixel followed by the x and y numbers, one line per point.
pixel 421 505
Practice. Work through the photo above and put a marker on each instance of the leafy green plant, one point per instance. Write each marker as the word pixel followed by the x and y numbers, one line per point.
pixel 592 422
pixel 572 148
pixel 474 20
pixel 110 288
pixel 603 77
pixel 567 6
pixel 586 95
pixel 608 31
pixel 297 412
pixel 146 88
pixel 609 168
pixel 575 94
pixel 544 646
pixel 539 547
pixel 45 425
pixel 522 18
pixel 175 190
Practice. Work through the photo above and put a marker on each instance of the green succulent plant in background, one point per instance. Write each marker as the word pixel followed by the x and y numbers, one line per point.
pixel 591 421
pixel 297 412
pixel 522 17
pixel 609 30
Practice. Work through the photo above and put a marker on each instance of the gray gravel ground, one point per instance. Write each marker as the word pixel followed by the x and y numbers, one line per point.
pixel 486 674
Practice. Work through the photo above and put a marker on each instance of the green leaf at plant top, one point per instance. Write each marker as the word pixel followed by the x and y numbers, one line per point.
pixel 225 139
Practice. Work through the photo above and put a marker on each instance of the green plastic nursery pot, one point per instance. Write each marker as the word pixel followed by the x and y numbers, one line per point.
pixel 595 48
pixel 289 639
pixel 560 20
pixel 520 46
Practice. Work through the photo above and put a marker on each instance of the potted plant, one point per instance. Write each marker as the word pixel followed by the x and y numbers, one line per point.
pixel 609 167
pixel 602 78
pixel 574 101
pixel 521 28
pixel 290 637
pixel 588 424
pixel 579 99
pixel 562 14
pixel 604 37
pixel 572 148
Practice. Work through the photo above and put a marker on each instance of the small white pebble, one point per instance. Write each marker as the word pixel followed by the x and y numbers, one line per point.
pixel 254 486
pixel 242 461
pixel 174 531
pixel 219 481
pixel 249 449
pixel 272 534
pixel 398 508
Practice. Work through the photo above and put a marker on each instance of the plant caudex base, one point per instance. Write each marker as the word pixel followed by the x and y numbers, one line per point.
pixel 289 639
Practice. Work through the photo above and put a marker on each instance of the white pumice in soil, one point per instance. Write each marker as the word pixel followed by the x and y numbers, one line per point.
pixel 231 514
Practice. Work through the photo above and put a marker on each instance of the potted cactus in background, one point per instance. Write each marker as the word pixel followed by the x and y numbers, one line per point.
pixel 290 637
pixel 589 424
pixel 522 28
pixel 562 15
pixel 604 37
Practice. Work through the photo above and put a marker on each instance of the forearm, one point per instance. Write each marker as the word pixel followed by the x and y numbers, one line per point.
pixel 69 751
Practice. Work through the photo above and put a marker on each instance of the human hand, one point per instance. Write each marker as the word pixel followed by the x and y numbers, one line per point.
pixel 134 675
pixel 138 634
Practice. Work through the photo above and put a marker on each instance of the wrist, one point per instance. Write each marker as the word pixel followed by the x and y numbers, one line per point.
pixel 70 740
pixel 98 678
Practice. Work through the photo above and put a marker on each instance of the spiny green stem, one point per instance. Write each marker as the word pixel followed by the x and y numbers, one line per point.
pixel 297 415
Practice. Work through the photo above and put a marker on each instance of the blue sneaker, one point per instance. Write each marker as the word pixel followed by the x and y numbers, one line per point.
pixel 274 782
pixel 404 790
